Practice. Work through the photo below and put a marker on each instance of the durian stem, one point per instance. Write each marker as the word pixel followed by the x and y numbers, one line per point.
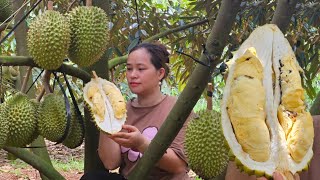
pixel 209 98
pixel 25 80
pixel 95 76
pixel 88 3
pixel 50 5
pixel 39 97
pixel 46 81
pixel 35 162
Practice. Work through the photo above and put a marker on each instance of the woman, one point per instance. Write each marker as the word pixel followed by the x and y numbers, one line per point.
pixel 313 172
pixel 146 68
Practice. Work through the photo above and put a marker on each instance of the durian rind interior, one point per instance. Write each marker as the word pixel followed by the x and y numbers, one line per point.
pixel 106 103
pixel 264 116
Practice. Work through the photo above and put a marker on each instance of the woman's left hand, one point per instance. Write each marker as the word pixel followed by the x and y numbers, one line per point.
pixel 131 139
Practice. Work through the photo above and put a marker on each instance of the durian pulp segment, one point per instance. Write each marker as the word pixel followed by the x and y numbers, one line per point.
pixel 97 102
pixel 116 99
pixel 259 39
pixel 246 107
pixel 293 118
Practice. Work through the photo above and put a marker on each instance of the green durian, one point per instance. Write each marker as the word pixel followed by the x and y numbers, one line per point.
pixel 48 39
pixel 21 115
pixel 205 145
pixel 89 35
pixel 76 133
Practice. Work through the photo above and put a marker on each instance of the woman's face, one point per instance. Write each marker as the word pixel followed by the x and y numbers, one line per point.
pixel 141 74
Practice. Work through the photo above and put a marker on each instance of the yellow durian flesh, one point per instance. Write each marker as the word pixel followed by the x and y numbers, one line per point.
pixel 246 107
pixel 106 103
pixel 281 99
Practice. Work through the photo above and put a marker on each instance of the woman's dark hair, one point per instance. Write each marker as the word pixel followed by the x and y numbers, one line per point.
pixel 159 55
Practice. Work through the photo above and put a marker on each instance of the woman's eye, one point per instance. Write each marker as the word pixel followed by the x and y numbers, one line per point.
pixel 141 69
pixel 129 69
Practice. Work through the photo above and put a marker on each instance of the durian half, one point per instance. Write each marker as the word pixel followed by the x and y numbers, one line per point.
pixel 106 103
pixel 264 117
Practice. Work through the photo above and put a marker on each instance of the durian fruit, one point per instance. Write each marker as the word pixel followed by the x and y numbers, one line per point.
pixel 89 35
pixel 264 116
pixel 48 39
pixel 4 126
pixel 205 145
pixel 5 10
pixel 76 133
pixel 106 103
pixel 52 123
pixel 21 116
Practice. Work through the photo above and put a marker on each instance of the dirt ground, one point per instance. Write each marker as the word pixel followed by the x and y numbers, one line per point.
pixel 8 171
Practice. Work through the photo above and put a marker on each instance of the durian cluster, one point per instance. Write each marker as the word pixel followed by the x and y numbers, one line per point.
pixel 22 120
pixel 81 35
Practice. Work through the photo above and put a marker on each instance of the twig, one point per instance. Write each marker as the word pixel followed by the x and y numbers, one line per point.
pixel 46 81
pixel 39 97
pixel 70 6
pixel 25 80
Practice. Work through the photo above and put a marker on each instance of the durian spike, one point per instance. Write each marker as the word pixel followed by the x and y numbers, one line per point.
pixel 88 2
pixel 50 5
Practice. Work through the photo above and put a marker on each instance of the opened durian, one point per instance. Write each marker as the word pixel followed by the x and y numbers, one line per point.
pixel 205 145
pixel 264 117
pixel 49 39
pixel 20 113
pixel 106 103
pixel 89 35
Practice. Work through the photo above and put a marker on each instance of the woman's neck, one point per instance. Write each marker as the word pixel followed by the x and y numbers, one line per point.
pixel 149 99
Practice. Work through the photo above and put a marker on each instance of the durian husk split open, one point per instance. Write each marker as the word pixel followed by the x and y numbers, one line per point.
pixel 264 116
pixel 106 104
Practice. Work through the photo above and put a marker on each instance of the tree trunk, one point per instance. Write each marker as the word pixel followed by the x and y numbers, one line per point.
pixel 192 92
pixel 283 13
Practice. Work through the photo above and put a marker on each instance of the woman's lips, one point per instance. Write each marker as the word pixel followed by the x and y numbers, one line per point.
pixel 134 84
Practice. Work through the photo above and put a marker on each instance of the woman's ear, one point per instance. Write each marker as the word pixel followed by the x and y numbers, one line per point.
pixel 162 72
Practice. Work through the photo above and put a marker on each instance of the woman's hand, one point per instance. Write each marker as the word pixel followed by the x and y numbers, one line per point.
pixel 279 176
pixel 131 139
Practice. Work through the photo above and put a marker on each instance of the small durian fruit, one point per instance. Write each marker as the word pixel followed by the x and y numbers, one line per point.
pixel 53 117
pixel 4 126
pixel 89 35
pixel 205 145
pixel 5 10
pixel 76 133
pixel 21 115
pixel 106 104
pixel 48 39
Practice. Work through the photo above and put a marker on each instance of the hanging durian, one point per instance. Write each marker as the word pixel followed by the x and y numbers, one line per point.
pixel 76 132
pixel 106 103
pixel 21 114
pixel 264 116
pixel 48 39
pixel 53 117
pixel 205 145
pixel 4 126
pixel 89 35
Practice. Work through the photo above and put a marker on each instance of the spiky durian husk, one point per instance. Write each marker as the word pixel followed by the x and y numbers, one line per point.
pixel 76 133
pixel 205 145
pixel 4 126
pixel 21 115
pixel 5 9
pixel 89 35
pixel 48 39
pixel 52 117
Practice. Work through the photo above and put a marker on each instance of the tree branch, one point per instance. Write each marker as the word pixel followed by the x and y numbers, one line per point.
pixel 283 13
pixel 192 92
pixel 36 162
pixel 120 60
pixel 315 108
pixel 28 61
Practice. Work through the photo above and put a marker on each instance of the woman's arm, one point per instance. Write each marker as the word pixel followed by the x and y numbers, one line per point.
pixel 109 152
